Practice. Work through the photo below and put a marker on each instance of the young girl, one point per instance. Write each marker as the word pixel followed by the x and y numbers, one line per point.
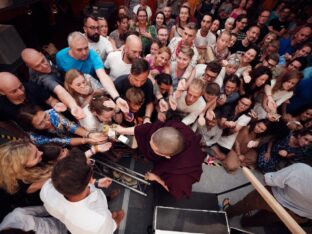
pixel 282 91
pixel 220 50
pixel 159 63
pixel 244 149
pixel 135 98
pixel 154 50
pixel 103 111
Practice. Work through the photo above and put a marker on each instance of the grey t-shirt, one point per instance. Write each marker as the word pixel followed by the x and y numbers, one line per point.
pixel 49 81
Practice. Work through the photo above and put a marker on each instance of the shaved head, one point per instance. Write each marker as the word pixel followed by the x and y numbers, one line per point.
pixel 36 60
pixel 12 88
pixel 133 47
pixel 167 141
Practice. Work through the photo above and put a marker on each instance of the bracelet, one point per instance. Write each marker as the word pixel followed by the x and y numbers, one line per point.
pixel 146 117
pixel 96 149
pixel 87 136
pixel 96 184
pixel 116 98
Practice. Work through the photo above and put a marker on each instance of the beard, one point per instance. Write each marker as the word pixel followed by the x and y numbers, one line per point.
pixel 95 37
pixel 129 58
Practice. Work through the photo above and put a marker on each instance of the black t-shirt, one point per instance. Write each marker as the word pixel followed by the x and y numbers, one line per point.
pixel 263 32
pixel 238 47
pixel 278 25
pixel 35 94
pixel 122 84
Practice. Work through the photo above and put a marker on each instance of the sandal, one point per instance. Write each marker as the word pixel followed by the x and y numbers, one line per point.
pixel 226 204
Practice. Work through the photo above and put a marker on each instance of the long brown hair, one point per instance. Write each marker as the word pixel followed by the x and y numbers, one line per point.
pixel 70 76
pixel 286 76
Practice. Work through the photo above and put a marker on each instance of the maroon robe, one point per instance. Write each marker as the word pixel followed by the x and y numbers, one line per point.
pixel 182 170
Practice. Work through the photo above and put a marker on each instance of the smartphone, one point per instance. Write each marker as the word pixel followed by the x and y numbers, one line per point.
pixel 123 139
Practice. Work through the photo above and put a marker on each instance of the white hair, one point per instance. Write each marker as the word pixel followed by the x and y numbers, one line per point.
pixel 74 36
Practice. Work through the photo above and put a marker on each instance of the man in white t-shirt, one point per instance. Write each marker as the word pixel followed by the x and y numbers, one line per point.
pixel 98 43
pixel 81 206
pixel 201 39
pixel 119 62
pixel 191 102
pixel 187 39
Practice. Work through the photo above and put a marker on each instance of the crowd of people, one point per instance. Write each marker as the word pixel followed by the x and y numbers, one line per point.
pixel 204 81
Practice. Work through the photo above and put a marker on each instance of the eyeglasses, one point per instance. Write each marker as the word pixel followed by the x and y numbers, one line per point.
pixel 93 27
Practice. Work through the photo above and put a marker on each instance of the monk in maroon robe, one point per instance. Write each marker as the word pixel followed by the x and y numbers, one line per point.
pixel 175 150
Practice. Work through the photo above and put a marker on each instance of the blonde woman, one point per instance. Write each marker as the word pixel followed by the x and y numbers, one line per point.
pixel 20 168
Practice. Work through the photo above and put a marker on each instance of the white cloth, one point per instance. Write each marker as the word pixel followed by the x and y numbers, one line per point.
pixel 88 216
pixel 117 67
pixel 33 218
pixel 201 41
pixel 211 38
pixel 292 188
pixel 279 97
pixel 90 122
pixel 210 136
pixel 193 110
pixel 228 141
pixel 148 10
pixel 103 47
pixel 173 47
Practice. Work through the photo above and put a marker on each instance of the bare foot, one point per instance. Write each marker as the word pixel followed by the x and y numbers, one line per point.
pixel 118 216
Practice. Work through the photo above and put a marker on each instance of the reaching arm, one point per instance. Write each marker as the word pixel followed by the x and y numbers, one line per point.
pixel 108 84
pixel 69 101
pixel 153 177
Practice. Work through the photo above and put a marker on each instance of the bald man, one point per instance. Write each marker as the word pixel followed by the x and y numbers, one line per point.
pixel 175 150
pixel 79 56
pixel 119 62
pixel 14 95
pixel 45 74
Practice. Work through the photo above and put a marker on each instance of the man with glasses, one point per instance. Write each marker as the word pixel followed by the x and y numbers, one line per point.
pixel 211 73
pixel 98 43
pixel 76 199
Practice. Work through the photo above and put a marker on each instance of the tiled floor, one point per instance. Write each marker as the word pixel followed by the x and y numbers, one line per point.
pixel 139 209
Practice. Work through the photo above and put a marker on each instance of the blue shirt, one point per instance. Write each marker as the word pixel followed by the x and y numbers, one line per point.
pixel 285 46
pixel 66 62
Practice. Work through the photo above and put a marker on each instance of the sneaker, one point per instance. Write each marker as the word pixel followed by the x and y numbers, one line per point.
pixel 129 181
